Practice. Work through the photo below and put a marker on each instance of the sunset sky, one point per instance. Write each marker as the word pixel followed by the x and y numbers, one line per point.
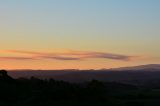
pixel 78 34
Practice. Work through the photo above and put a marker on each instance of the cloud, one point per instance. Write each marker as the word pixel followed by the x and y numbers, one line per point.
pixel 61 58
pixel 16 58
pixel 85 55
pixel 23 52
pixel 70 55
pixel 109 56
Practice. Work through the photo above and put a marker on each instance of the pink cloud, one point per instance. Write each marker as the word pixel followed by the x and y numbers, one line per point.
pixel 17 58
pixel 71 55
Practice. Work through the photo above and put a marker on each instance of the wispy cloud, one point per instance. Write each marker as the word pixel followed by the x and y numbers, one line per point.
pixel 23 52
pixel 17 58
pixel 100 55
pixel 70 55
pixel 61 57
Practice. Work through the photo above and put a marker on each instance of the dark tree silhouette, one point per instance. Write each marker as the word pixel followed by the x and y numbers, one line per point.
pixel 4 76
pixel 50 92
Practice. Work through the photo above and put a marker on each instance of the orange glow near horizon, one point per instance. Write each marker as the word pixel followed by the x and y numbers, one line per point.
pixel 16 59
pixel 78 34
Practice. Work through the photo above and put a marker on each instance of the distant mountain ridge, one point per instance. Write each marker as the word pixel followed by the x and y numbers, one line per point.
pixel 135 74
pixel 140 67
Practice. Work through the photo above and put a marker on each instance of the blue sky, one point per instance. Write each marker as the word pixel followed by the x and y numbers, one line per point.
pixel 129 27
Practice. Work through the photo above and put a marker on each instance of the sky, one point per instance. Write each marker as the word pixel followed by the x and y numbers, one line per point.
pixel 79 34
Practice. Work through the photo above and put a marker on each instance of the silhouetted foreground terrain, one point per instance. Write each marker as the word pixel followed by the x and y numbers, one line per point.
pixel 50 92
